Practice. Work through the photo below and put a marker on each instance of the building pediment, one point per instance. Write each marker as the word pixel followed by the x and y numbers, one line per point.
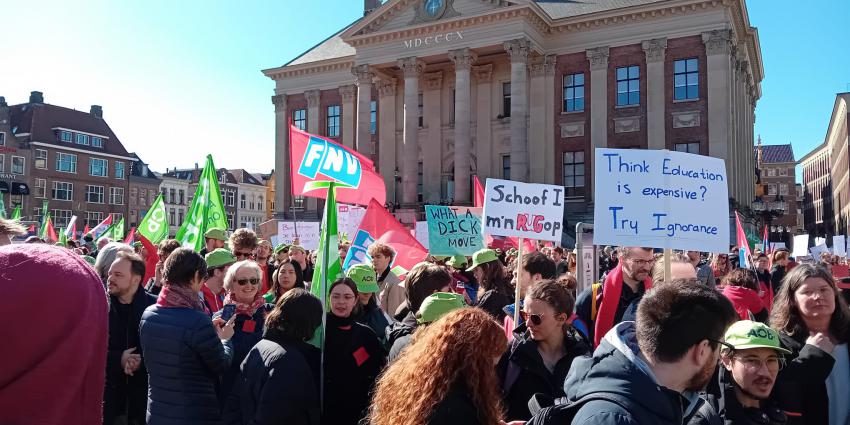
pixel 399 14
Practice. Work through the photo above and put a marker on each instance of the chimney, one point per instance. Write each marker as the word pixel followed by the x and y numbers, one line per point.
pixel 370 5
pixel 36 97
pixel 3 102
pixel 96 111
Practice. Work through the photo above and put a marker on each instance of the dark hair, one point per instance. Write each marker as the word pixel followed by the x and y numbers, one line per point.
pixel 182 265
pixel 166 247
pixel 785 315
pixel 558 249
pixel 557 295
pixel 494 278
pixel 742 277
pixel 344 281
pixel 299 276
pixel 674 317
pixel 297 314
pixel 423 280
pixel 537 262
pixel 137 265
pixel 244 238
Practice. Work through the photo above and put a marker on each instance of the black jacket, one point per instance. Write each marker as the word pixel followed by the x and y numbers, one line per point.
pixel 372 316
pixel 494 303
pixel 278 384
pixel 247 331
pixel 398 334
pixel 456 408
pixel 777 273
pixel 123 392
pixel 800 388
pixel 523 373
pixel 626 308
pixel 734 413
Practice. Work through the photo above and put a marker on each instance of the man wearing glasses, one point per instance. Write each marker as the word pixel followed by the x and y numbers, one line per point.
pixel 243 243
pixel 603 305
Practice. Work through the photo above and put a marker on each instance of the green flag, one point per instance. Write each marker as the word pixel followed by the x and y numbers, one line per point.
pixel 16 215
pixel 206 211
pixel 63 238
pixel 44 213
pixel 328 266
pixel 154 226
pixel 45 223
pixel 2 207
pixel 118 231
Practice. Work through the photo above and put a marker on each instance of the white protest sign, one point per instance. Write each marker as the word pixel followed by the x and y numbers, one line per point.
pixel 820 241
pixel 660 199
pixel 817 250
pixel 801 246
pixel 308 233
pixel 348 219
pixel 777 245
pixel 526 210
pixel 422 233
pixel 838 247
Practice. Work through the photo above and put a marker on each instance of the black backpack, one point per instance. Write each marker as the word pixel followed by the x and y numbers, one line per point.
pixel 563 414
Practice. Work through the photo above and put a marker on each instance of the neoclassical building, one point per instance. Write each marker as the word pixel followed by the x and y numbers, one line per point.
pixel 437 91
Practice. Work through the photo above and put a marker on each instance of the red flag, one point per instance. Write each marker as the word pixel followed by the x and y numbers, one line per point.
pixel 31 229
pixel 131 237
pixel 315 158
pixel 379 225
pixel 51 232
pixel 479 193
pixel 501 242
pixel 74 231
pixel 86 230
pixel 742 241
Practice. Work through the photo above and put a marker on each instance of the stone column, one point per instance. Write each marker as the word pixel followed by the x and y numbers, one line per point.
pixel 347 92
pixel 718 44
pixel 313 97
pixel 432 152
pixel 463 60
pixel 598 58
pixel 655 87
pixel 518 49
pixel 412 68
pixel 484 146
pixel 283 189
pixel 540 108
pixel 364 109
pixel 387 163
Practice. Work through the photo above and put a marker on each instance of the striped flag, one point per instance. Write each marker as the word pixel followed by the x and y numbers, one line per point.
pixel 101 227
pixel 743 245
pixel 71 230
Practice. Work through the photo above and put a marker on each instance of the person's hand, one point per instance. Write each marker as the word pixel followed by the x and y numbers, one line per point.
pixel 821 341
pixel 225 331
pixel 127 354
pixel 132 366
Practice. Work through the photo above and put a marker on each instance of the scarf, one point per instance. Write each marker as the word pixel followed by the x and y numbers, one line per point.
pixel 244 308
pixel 176 296
pixel 611 291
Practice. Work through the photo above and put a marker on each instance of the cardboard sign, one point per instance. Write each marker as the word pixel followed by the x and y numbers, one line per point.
pixel 453 230
pixel 534 211
pixel 801 246
pixel 421 233
pixel 661 199
pixel 308 233
pixel 838 247
pixel 776 245
pixel 348 219
pixel 818 250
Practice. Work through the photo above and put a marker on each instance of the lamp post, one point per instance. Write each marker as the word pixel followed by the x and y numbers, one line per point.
pixel 396 180
pixel 769 209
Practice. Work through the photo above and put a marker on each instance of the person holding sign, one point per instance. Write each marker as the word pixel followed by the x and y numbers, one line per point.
pixel 494 292
pixel 602 306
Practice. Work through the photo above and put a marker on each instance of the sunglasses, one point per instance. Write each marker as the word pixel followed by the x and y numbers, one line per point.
pixel 253 281
pixel 534 319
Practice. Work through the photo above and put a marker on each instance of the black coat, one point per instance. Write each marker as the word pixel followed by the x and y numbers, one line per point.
pixel 777 273
pixel 456 408
pixel 278 384
pixel 245 336
pixel 523 373
pixel 124 393
pixel 399 335
pixel 800 388
pixel 494 303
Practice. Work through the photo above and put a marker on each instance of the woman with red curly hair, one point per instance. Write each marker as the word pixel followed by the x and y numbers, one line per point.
pixel 446 376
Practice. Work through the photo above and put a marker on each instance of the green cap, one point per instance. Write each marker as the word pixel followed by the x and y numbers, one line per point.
pixel 457 261
pixel 216 233
pixel 219 257
pixel 89 259
pixel 481 257
pixel 364 276
pixel 746 334
pixel 280 247
pixel 437 305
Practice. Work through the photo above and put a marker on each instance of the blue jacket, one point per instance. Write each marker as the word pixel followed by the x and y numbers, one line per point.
pixel 184 358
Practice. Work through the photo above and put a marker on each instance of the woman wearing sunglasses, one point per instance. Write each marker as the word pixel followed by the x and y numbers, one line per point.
pixel 243 300
pixel 720 265
pixel 539 360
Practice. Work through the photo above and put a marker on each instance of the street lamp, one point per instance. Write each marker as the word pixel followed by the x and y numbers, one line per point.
pixel 396 179
pixel 769 209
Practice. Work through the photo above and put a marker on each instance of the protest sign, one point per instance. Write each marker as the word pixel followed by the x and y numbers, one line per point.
pixel 421 232
pixel 801 246
pixel 776 245
pixel 818 250
pixel 838 247
pixel 308 233
pixel 453 230
pixel 524 210
pixel 820 241
pixel 348 219
pixel 660 199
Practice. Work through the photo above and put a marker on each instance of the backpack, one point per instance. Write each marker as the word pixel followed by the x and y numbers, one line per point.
pixel 563 414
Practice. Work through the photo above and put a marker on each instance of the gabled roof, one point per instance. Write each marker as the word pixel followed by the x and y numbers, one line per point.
pixel 329 48
pixel 777 154
pixel 560 9
pixel 245 177
pixel 139 169
pixel 194 174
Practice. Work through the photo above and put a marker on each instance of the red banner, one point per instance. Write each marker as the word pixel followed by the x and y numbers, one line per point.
pixel 379 225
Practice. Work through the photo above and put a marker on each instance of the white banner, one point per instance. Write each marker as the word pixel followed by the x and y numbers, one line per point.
pixel 838 247
pixel 534 211
pixel 422 233
pixel 307 233
pixel 348 219
pixel 660 199
pixel 801 246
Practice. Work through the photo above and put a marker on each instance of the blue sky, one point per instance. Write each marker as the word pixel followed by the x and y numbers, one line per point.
pixel 178 80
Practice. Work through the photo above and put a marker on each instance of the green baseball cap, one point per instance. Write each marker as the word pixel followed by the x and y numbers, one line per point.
pixel 437 305
pixel 482 256
pixel 216 233
pixel 219 257
pixel 457 261
pixel 746 334
pixel 89 259
pixel 364 276
pixel 280 247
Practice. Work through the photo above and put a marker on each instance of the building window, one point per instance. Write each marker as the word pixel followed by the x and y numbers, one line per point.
pixel 40 188
pixel 686 79
pixel 771 172
pixel 771 189
pixel 2 139
pixel 96 142
pixel 242 201
pixel 454 107
pixel 97 167
pixel 783 189
pixel 171 216
pixel 506 167
pixel 119 170
pixel 172 192
pixel 260 205
pixel 65 136
pixel 180 216
pixel 2 163
pixel 66 162
pixel 231 198
pixel 41 159
pixel 93 218
pixel 628 86
pixel 181 194
pixel 94 194
pixel 783 171
pixel 63 191
pixel 421 109
pixel 574 173
pixel 419 182
pixel 333 121
pixel 299 118
pixel 373 117
pixel 688 147
pixel 116 195
pixel 298 202
pixel 17 165
pixel 61 218
pixel 506 100
pixel 574 92
pixel 82 139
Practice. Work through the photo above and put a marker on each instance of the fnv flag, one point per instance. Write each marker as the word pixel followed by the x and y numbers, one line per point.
pixel 328 265
pixel 206 211
pixel 155 224
pixel 315 158
pixel 379 225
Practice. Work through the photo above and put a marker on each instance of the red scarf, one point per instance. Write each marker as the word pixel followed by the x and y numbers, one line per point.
pixel 175 296
pixel 243 308
pixel 611 291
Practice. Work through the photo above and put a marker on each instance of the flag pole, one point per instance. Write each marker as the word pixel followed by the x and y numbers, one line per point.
pixel 324 280
pixel 521 242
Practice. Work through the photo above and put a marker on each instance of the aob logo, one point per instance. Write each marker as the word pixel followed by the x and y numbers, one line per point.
pixel 330 160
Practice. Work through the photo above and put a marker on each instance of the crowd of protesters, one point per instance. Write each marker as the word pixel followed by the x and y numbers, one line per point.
pixel 105 332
